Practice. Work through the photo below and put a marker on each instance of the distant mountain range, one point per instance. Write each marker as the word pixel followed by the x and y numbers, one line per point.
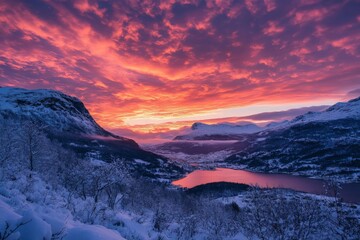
pixel 233 131
pixel 67 120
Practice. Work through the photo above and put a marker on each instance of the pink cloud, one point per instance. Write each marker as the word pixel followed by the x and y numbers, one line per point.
pixel 273 28
pixel 306 16
pixel 85 6
pixel 251 6
pixel 300 52
pixel 270 5
pixel 268 62
pixel 348 44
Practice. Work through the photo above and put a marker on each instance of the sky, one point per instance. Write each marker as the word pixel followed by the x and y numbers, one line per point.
pixel 153 66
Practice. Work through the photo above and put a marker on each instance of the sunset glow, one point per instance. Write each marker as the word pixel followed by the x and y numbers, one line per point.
pixel 156 67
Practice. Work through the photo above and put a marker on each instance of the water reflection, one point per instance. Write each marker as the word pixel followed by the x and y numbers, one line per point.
pixel 349 192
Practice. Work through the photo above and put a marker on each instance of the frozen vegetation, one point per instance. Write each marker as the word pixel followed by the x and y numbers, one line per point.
pixel 48 192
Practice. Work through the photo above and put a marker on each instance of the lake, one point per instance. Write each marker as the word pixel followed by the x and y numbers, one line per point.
pixel 350 192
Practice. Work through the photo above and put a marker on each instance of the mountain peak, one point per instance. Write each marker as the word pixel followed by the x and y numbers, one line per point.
pixel 197 125
pixel 53 108
pixel 340 110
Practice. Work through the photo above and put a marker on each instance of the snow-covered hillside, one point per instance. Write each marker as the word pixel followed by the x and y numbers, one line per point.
pixel 341 110
pixel 56 110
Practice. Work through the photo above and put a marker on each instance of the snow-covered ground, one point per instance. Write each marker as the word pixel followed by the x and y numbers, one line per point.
pixel 31 209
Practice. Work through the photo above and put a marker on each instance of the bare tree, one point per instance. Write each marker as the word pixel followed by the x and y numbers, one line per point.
pixel 6 142
pixel 271 214
pixel 344 223
pixel 8 230
pixel 34 143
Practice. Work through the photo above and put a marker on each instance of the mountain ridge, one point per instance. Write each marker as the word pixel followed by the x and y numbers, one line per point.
pixel 42 103
pixel 233 131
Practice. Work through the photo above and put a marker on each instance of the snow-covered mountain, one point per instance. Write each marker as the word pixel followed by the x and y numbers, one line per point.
pixel 56 110
pixel 221 131
pixel 341 110
pixel 230 131
pixel 67 120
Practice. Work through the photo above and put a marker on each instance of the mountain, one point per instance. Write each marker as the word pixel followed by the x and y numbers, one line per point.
pixel 231 131
pixel 341 110
pixel 60 112
pixel 243 125
pixel 67 120
pixel 321 144
pixel 221 131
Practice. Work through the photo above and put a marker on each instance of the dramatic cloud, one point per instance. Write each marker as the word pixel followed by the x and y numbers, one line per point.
pixel 134 62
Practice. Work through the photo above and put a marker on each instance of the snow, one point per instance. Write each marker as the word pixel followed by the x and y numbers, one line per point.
pixel 341 110
pixel 57 110
pixel 201 129
pixel 10 217
pixel 97 162
pixel 43 215
pixel 132 228
pixel 25 224
pixel 35 227
pixel 139 161
pixel 91 232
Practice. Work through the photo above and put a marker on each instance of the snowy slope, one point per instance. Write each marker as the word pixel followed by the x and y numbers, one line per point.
pixel 21 218
pixel 57 110
pixel 341 110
